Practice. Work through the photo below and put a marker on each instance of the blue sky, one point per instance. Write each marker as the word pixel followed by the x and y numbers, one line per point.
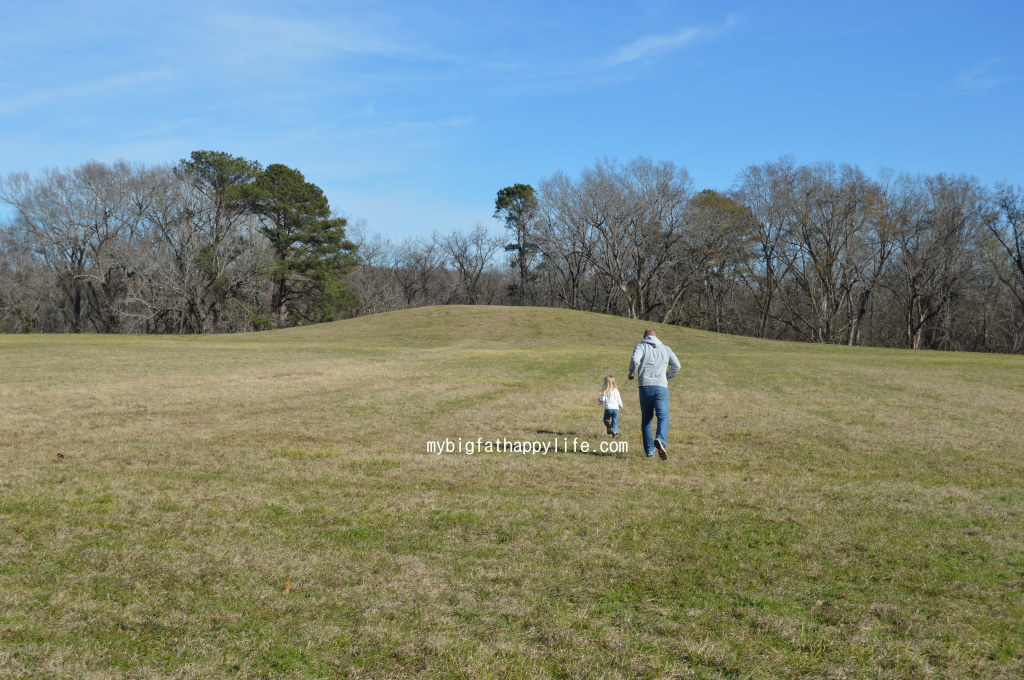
pixel 411 115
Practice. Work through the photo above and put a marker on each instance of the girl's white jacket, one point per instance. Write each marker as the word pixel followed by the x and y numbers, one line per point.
pixel 612 401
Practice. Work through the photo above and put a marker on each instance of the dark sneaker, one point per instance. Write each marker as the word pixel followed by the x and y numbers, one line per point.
pixel 662 449
pixel 608 426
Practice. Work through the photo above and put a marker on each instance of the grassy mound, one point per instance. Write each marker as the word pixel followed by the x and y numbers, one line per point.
pixel 265 505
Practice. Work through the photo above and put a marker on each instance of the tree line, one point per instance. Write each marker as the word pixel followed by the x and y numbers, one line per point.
pixel 820 253
pixel 216 243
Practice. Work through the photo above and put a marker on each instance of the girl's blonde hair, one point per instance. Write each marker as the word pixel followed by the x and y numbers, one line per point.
pixel 609 385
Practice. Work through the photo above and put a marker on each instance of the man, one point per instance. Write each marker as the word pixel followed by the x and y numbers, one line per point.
pixel 654 364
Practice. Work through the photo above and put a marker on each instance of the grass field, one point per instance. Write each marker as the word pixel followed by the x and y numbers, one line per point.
pixel 264 506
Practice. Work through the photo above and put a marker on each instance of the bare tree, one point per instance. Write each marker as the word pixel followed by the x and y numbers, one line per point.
pixel 373 280
pixel 82 225
pixel 768 190
pixel 420 272
pixel 935 257
pixel 1005 229
pixel 637 216
pixel 714 255
pixel 25 287
pixel 566 235
pixel 832 211
pixel 470 255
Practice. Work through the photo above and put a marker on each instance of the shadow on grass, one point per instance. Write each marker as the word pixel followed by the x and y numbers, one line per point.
pixel 604 454
pixel 596 452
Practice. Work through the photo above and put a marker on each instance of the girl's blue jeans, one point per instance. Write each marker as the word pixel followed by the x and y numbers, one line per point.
pixel 611 417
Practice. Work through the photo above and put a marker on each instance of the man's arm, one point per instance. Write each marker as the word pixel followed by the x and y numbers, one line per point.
pixel 673 364
pixel 634 361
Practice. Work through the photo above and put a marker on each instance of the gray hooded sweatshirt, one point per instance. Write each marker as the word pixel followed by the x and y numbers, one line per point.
pixel 653 363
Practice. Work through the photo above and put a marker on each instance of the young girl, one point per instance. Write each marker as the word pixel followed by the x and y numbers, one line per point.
pixel 612 401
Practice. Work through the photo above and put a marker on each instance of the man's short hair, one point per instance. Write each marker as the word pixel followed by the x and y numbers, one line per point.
pixel 650 333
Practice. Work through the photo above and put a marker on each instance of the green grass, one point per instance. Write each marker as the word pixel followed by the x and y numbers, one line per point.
pixel 826 512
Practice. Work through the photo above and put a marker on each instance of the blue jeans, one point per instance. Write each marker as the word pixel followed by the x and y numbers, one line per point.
pixel 653 401
pixel 611 417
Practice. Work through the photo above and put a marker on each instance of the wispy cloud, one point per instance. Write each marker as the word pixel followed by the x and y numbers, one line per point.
pixel 655 45
pixel 300 38
pixel 977 80
pixel 114 83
